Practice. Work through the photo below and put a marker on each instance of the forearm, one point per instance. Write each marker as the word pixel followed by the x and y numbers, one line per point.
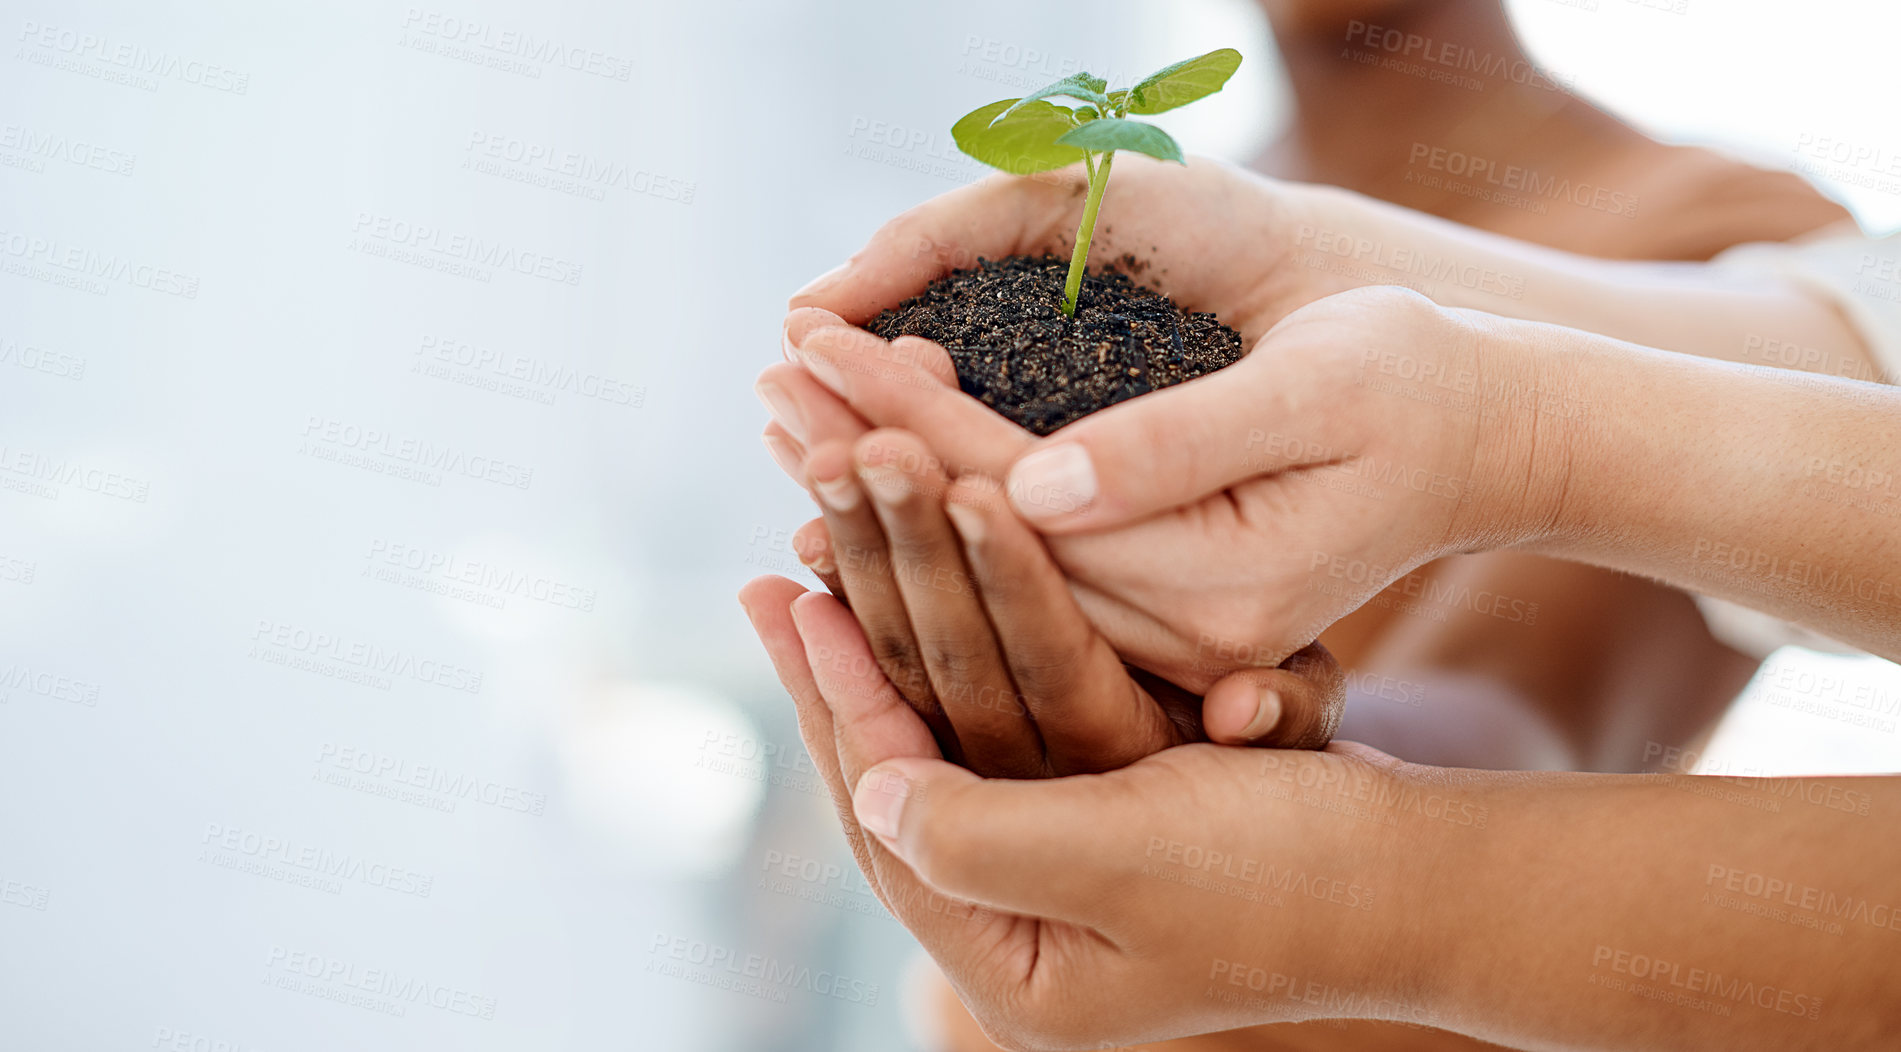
pixel 1347 240
pixel 1777 492
pixel 1667 912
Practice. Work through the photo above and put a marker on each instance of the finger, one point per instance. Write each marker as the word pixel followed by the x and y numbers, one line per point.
pixel 768 605
pixel 812 543
pixel 768 602
pixel 863 559
pixel 891 385
pixel 785 451
pixel 1091 715
pixel 1295 706
pixel 800 321
pixel 1162 450
pixel 804 409
pixel 960 653
pixel 871 719
pixel 1047 848
pixel 871 723
pixel 995 217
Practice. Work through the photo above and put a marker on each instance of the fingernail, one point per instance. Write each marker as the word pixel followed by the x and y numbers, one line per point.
pixel 819 561
pixel 1053 482
pixel 784 456
pixel 839 494
pixel 967 521
pixel 783 408
pixel 824 281
pixel 887 485
pixel 1267 713
pixel 785 346
pixel 824 372
pixel 879 801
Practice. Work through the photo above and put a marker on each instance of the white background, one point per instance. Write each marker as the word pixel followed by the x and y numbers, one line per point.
pixel 751 146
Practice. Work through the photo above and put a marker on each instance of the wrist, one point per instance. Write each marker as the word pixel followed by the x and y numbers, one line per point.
pixel 1352 240
pixel 1401 835
pixel 1536 389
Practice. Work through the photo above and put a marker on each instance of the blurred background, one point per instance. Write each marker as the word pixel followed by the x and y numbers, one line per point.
pixel 378 461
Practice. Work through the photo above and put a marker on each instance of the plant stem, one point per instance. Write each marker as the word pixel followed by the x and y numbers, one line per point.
pixel 1098 181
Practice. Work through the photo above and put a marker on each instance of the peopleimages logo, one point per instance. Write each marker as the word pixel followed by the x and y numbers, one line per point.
pixel 463 255
pixel 448 572
pixel 755 974
pixel 40 360
pixel 1647 970
pixel 49 685
pixel 1769 569
pixel 520 375
pixel 1519 180
pixel 233 847
pixel 38 147
pixel 61 471
pixel 339 980
pixel 509 49
pixel 1408 260
pixel 322 432
pixel 1330 783
pixel 430 778
pixel 379 661
pixel 86 269
pixel 122 61
pixel 1453 58
pixel 1297 883
pixel 568 171
pixel 1424 586
pixel 1797 895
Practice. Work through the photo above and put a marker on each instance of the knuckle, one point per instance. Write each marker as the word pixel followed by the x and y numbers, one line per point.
pixel 1315 718
pixel 1044 673
pixel 881 443
pixel 960 664
pixel 926 561
pixel 898 658
pixel 900 450
pixel 871 562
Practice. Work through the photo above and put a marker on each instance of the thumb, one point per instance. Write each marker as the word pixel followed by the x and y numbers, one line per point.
pixel 1294 706
pixel 1026 847
pixel 1163 450
pixel 997 216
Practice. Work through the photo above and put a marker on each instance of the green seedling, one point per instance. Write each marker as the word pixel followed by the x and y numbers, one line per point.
pixel 1031 134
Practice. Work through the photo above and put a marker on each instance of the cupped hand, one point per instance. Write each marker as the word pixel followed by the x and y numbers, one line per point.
pixel 1225 522
pixel 973 624
pixel 1136 905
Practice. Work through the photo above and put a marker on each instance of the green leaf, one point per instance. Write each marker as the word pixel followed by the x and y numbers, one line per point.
pixel 1079 86
pixel 1022 144
pixel 1114 133
pixel 1184 82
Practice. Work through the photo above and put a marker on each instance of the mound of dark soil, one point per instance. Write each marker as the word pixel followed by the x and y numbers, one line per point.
pixel 1003 324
